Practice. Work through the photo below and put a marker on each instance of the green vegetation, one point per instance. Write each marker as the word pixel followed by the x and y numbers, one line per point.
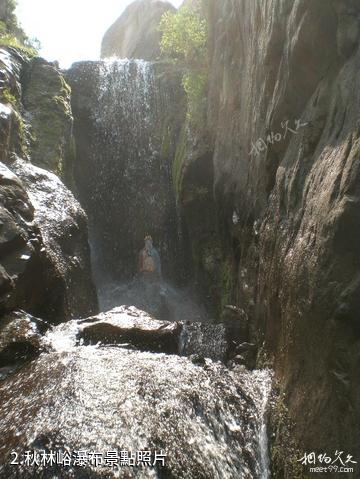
pixel 47 97
pixel 178 163
pixel 9 21
pixel 194 84
pixel 9 40
pixel 284 452
pixel 21 132
pixel 8 97
pixel 12 35
pixel 165 142
pixel 184 41
pixel 227 283
pixel 184 36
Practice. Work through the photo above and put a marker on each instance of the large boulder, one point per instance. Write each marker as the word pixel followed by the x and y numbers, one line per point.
pixel 192 4
pixel 20 241
pixel 45 260
pixel 129 327
pixel 123 325
pixel 66 288
pixel 44 251
pixel 102 399
pixel 135 34
pixel 35 113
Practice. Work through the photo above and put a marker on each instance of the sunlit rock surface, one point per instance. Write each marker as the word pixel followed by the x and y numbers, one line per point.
pixel 206 419
pixel 45 260
pixel 135 34
pixel 283 115
pixel 130 325
pixel 35 114
pixel 44 249
pixel 20 340
pixel 63 227
pixel 132 328
pixel 20 240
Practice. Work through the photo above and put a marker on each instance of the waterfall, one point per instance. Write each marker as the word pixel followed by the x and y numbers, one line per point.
pixel 126 135
pixel 209 418
pixel 264 384
pixel 206 418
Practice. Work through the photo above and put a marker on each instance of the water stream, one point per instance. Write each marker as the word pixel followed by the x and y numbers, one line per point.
pixel 108 400
pixel 207 420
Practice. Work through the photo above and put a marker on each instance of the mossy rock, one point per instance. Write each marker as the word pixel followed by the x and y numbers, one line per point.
pixel 285 453
pixel 227 283
pixel 179 161
pixel 47 101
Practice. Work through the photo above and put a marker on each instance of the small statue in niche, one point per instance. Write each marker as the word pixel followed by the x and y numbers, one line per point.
pixel 149 259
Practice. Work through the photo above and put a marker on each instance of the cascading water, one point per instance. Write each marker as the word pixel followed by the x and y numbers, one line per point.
pixel 125 134
pixel 133 190
pixel 129 142
pixel 207 420
pixel 104 395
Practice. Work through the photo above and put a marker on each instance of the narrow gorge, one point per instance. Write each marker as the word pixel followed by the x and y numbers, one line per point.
pixel 239 159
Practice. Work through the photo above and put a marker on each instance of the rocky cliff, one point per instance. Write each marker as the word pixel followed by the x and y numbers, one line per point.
pixel 282 156
pixel 263 190
pixel 46 99
pixel 135 33
pixel 44 252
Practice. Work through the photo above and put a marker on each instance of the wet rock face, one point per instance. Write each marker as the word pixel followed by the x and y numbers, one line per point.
pixel 44 253
pixel 63 227
pixel 20 240
pixel 126 124
pixel 129 327
pixel 124 325
pixel 290 208
pixel 107 398
pixel 20 340
pixel 135 34
pixel 35 114
pixel 12 134
pixel 46 98
pixel 43 246
pixel 201 340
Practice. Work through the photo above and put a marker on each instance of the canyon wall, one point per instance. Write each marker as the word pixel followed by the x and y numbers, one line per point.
pixel 278 225
pixel 263 191
pixel 267 186
pixel 44 252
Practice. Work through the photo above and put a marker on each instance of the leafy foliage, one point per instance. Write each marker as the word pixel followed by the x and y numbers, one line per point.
pixel 12 35
pixel 184 36
pixel 194 84
pixel 184 40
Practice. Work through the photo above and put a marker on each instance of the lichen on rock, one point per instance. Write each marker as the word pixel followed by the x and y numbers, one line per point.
pixel 46 99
